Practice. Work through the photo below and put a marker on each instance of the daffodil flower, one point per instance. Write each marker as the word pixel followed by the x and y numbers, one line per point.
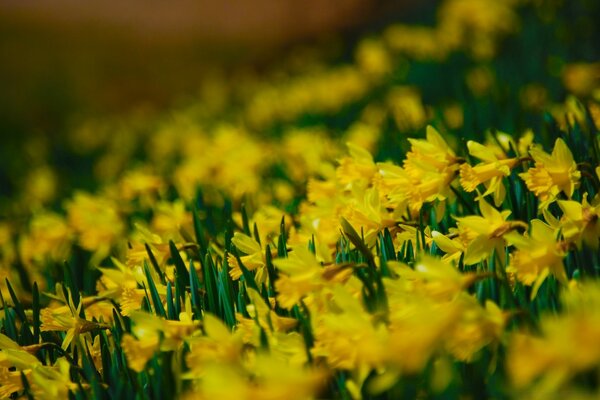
pixel 489 172
pixel 581 221
pixel 487 232
pixel 552 174
pixel 253 260
pixel 66 318
pixel 537 256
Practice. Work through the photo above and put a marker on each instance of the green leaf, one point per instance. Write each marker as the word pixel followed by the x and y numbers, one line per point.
pixel 26 386
pixel 226 294
pixel 154 263
pixel 195 291
pixel 181 274
pixel 35 308
pixel 245 222
pixel 256 235
pixel 158 306
pixel 272 273
pixel 16 303
pixel 70 283
pixel 248 276
pixel 170 305
pixel 357 241
pixel 303 318
pixel 199 231
pixel 282 242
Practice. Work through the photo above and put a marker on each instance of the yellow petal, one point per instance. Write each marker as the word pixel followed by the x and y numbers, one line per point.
pixel 572 209
pixel 478 250
pixel 445 244
pixel 561 153
pixel 214 327
pixel 245 243
pixel 480 151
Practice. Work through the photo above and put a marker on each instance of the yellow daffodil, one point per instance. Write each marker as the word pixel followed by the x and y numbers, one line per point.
pixel 552 174
pixel 48 239
pixel 11 381
pixel 66 318
pixel 219 344
pixel 564 347
pixel 489 172
pixel 428 169
pixel 143 184
pixel 46 381
pixel 475 328
pixel 487 232
pixel 357 169
pixel 53 382
pixel 139 351
pixel 580 222
pixel 346 335
pixel 253 260
pixel 264 315
pixel 366 214
pixel 451 244
pixel 537 256
pixel 171 332
pixel 300 275
pixel 263 376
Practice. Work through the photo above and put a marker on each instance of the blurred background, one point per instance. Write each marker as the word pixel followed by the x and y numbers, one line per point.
pixel 62 58
pixel 66 61
pixel 90 89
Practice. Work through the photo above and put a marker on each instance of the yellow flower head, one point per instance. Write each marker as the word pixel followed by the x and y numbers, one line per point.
pixel 581 221
pixel 489 172
pixel 357 169
pixel 139 351
pixel 564 347
pixel 254 258
pixel 485 233
pixel 300 275
pixel 553 173
pixel 537 256
pixel 96 221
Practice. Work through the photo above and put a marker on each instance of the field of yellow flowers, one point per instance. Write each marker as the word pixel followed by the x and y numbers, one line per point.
pixel 417 217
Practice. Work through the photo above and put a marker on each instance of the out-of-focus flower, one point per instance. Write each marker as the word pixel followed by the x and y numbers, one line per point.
pixel 475 25
pixel 96 221
pixel 218 345
pixel 142 184
pixel 419 42
pixel 139 351
pixel 170 218
pixel 357 169
pixel 480 81
pixel 46 381
pixel 300 275
pixel 346 336
pixel 48 239
pixel 407 108
pixel 565 346
pixel 581 78
pixel 373 58
pixel 41 185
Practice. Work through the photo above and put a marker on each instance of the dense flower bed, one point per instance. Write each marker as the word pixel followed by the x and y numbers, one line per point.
pixel 418 221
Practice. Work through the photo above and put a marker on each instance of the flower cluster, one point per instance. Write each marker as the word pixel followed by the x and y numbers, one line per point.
pixel 394 248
